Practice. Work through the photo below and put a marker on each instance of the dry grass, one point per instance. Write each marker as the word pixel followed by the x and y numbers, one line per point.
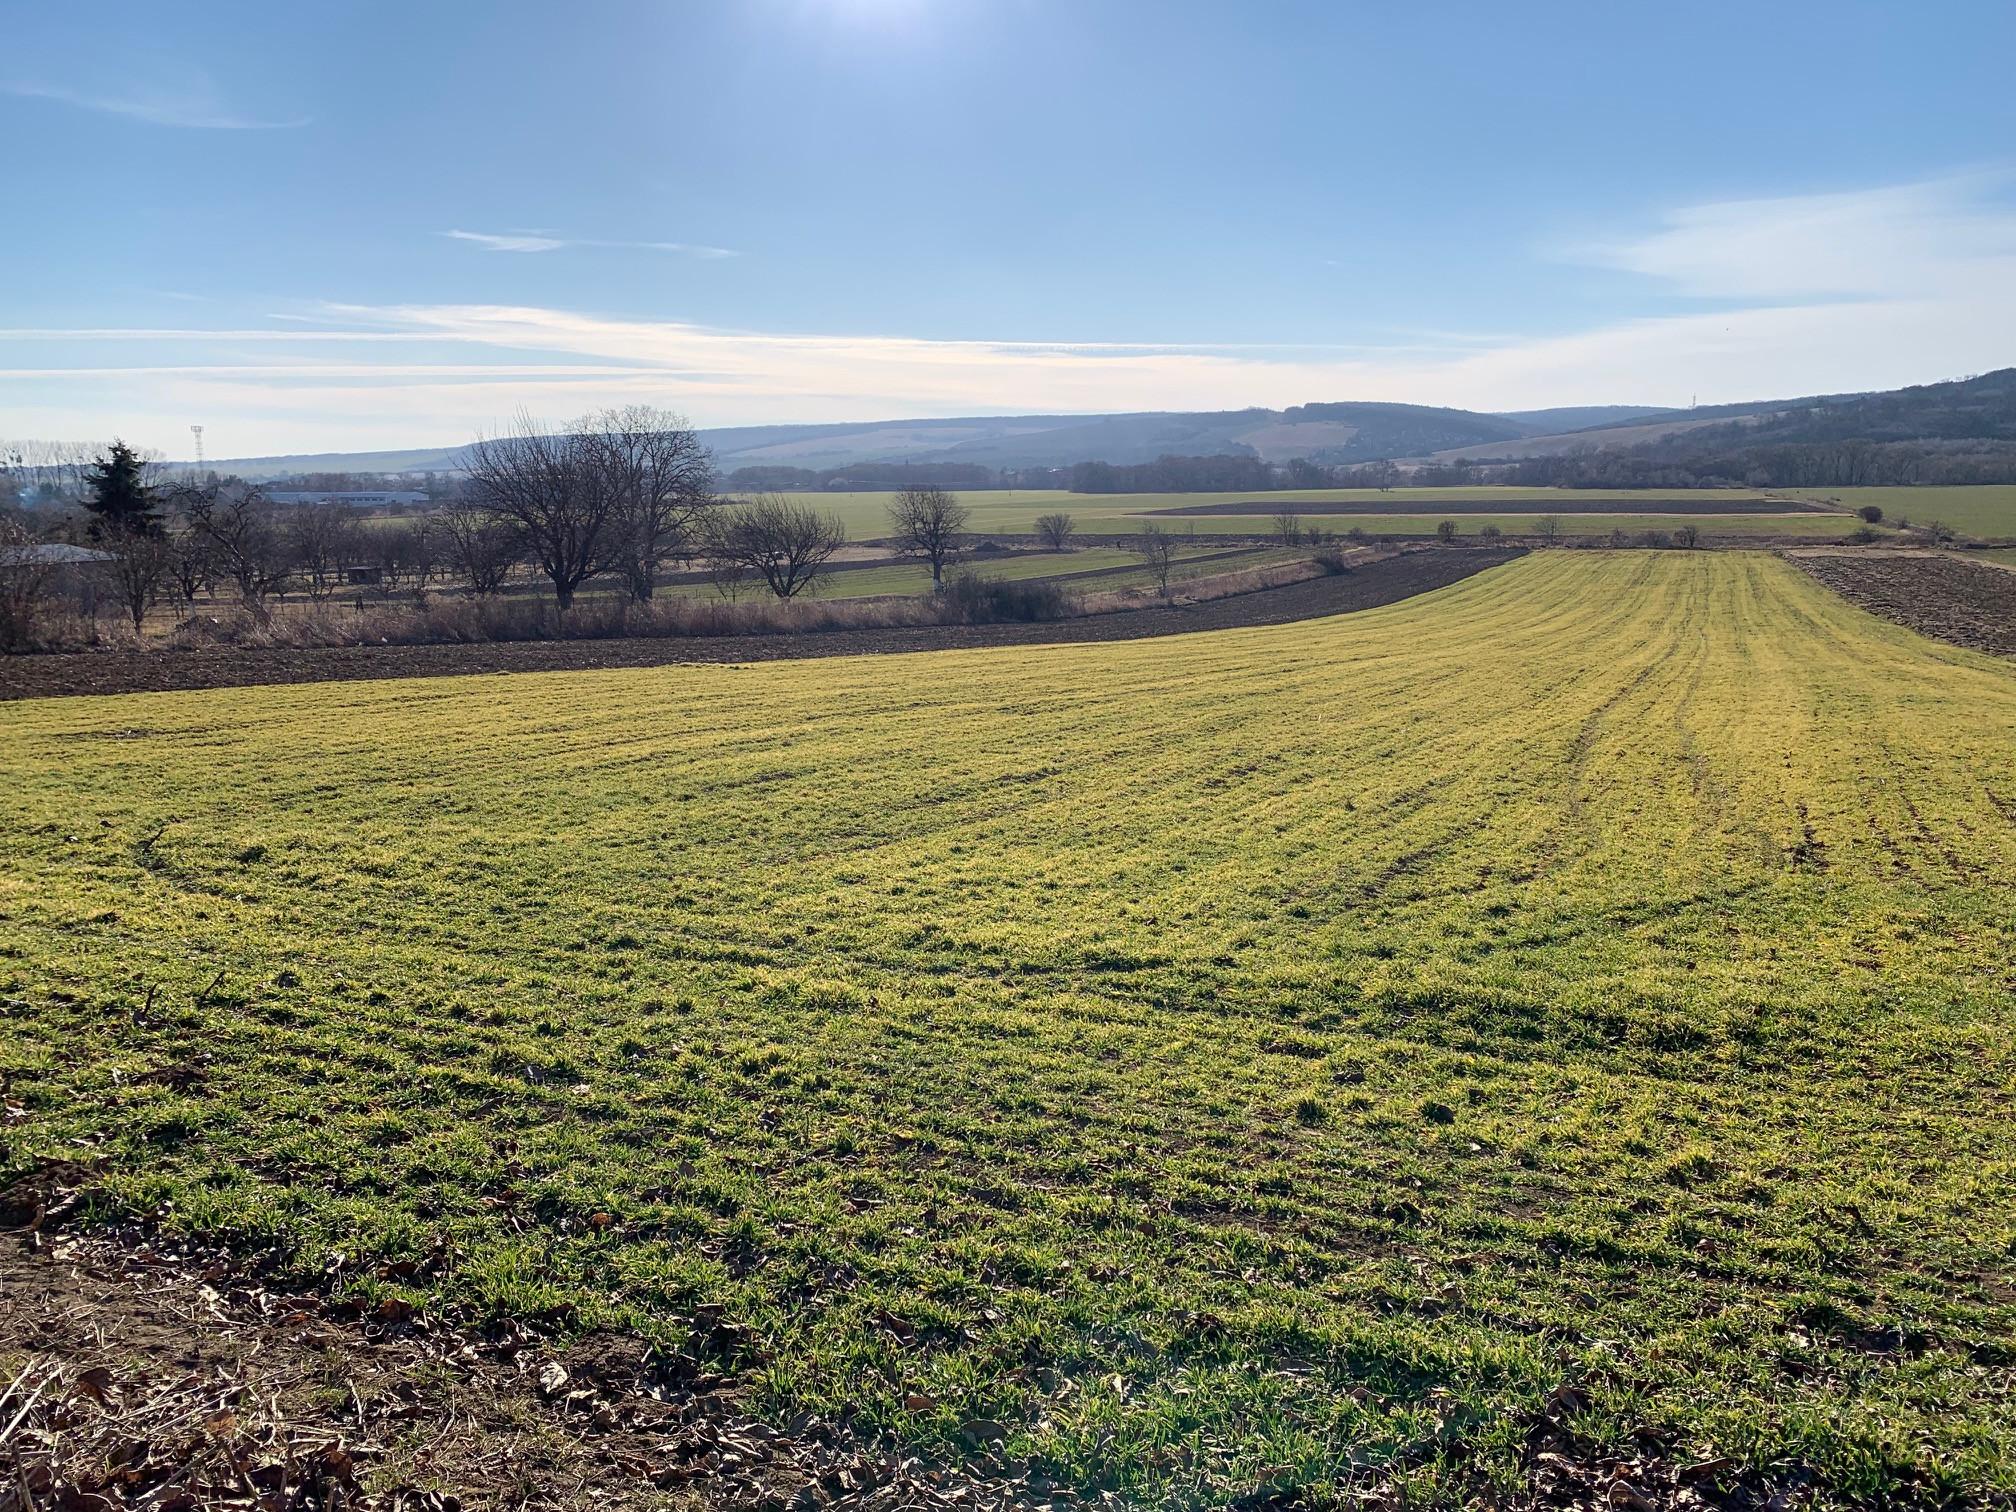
pixel 1203 590
pixel 463 621
pixel 456 620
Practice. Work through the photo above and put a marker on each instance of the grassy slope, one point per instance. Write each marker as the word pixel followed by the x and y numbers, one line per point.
pixel 916 578
pixel 1988 511
pixel 1263 1056
pixel 1016 510
pixel 1812 526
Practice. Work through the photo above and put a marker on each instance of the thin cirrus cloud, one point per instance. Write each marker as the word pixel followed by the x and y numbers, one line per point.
pixel 1925 290
pixel 540 241
pixel 1896 241
pixel 192 105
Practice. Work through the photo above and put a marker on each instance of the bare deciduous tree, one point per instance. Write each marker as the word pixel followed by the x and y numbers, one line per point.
pixel 661 478
pixel 483 547
pixel 239 524
pixel 727 578
pixel 1548 528
pixel 324 538
pixel 564 510
pixel 1055 530
pixel 785 543
pixel 139 560
pixel 409 552
pixel 928 525
pixel 1157 549
pixel 191 568
pixel 1287 527
pixel 48 472
pixel 27 584
pixel 1445 531
pixel 421 550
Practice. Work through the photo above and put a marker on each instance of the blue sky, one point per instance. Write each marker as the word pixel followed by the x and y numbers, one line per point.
pixel 355 225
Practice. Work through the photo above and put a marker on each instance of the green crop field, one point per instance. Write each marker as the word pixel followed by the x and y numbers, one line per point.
pixel 1808 526
pixel 1275 1058
pixel 912 577
pixel 1988 511
pixel 1015 511
pixel 1400 511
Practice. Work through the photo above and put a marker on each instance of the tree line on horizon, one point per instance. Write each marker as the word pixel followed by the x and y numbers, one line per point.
pixel 623 494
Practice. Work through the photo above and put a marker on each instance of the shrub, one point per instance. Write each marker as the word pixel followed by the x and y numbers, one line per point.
pixel 1870 514
pixel 1332 560
pixel 1055 530
pixel 970 599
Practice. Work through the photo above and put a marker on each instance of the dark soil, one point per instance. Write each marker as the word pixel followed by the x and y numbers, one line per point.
pixel 1399 503
pixel 139 1373
pixel 1967 603
pixel 1380 582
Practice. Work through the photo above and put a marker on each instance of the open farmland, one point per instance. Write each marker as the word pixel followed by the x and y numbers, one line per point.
pixel 1986 510
pixel 1802 526
pixel 1291 1059
pixel 1090 567
pixel 1399 511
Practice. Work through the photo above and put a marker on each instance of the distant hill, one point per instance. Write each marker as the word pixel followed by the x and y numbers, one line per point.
pixel 1981 408
pixel 1582 416
pixel 1333 434
pixel 1340 432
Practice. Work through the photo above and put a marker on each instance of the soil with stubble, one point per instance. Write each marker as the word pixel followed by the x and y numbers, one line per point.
pixel 1384 581
pixel 1970 604
pixel 142 1373
pixel 139 1373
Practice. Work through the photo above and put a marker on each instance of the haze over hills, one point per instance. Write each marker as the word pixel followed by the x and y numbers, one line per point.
pixel 1330 433
pixel 1979 408
pixel 1343 433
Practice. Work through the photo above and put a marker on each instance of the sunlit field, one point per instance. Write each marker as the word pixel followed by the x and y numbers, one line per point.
pixel 1272 1058
pixel 1988 511
pixel 1116 566
pixel 1396 511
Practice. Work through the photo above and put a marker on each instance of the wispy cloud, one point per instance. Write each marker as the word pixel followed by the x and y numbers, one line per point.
pixel 1897 241
pixel 540 241
pixel 193 104
pixel 1928 293
pixel 516 241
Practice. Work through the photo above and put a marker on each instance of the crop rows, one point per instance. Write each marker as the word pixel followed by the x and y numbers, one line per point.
pixel 1273 1058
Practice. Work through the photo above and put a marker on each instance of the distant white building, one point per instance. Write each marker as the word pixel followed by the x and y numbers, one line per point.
pixel 357 499
pixel 50 554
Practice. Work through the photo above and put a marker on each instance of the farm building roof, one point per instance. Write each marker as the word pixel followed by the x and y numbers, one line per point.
pixel 50 554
